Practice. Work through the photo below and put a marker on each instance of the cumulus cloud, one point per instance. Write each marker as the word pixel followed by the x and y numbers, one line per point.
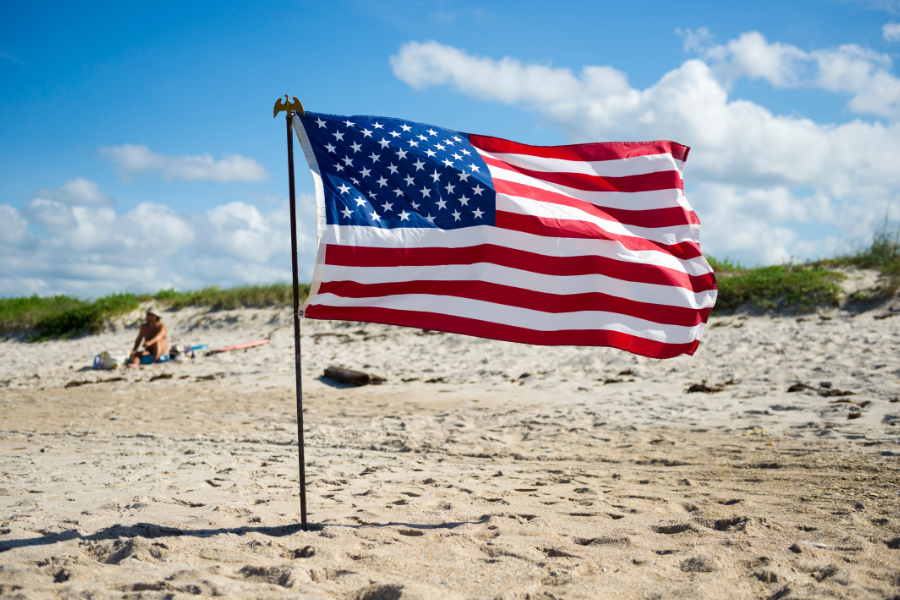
pixel 77 192
pixel 775 170
pixel 52 247
pixel 891 32
pixel 131 160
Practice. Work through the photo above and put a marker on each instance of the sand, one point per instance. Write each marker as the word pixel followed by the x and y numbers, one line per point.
pixel 480 469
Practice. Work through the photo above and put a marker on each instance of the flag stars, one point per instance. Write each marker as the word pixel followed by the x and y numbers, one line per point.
pixel 387 206
pixel 463 176
pixel 430 152
pixel 456 215
pixel 478 189
pixel 464 200
pixel 464 151
pixel 423 138
pixel 339 136
pixel 430 218
pixel 365 172
pixel 435 176
pixel 347 212
pixel 419 165
pixel 442 204
pixel 375 216
pixel 339 166
pixel 401 153
pixel 449 187
pixel 432 132
pixel 449 142
pixel 374 157
pixel 448 163
pixel 474 167
pixel 413 143
pixel 360 201
pixel 349 124
pixel 404 216
pixel 395 133
pixel 440 146
pixel 356 147
pixel 393 169
pixel 384 143
pixel 415 205
pixel 456 156
pixel 367 133
pixel 354 180
pixel 477 212
pixel 405 127
pixel 320 122
pixel 426 192
pixel 409 180
pixel 377 125
pixel 382 182
pixel 344 188
pixel 348 161
pixel 331 148
pixel 398 192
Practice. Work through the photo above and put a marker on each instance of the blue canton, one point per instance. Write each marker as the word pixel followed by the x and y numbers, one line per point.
pixel 389 173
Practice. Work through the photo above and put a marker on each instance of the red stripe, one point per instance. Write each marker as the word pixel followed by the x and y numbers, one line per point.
pixel 573 228
pixel 647 182
pixel 674 216
pixel 524 298
pixel 494 331
pixel 583 152
pixel 364 256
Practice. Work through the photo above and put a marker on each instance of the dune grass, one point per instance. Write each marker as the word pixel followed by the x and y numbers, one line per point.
pixel 63 317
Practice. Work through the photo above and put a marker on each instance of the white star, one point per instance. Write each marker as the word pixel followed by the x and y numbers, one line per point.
pixel 354 180
pixel 349 124
pixel 413 143
pixel 402 153
pixel 419 165
pixel 395 133
pixel 344 188
pixel 404 216
pixel 371 194
pixel 398 192
pixel 375 216
pixel 442 204
pixel 382 182
pixel 435 176
pixel 356 146
pixel 409 180
pixel 456 139
pixel 464 200
pixel 347 212
pixel 338 136
pixel 378 125
pixel 477 213
pixel 449 142
pixel 456 215
pixel 448 162
pixel 387 206
pixel 392 169
pixel 463 176
pixel 384 143
pixel 415 205
pixel 457 156
pixel 478 189
pixel 405 127
pixel 423 138
pixel 365 172
pixel 426 192
pixel 439 146
pixel 464 151
pixel 367 133
pixel 430 152
pixel 347 161
pixel 339 166
pixel 320 122
pixel 430 219
pixel 432 132
pixel 330 148
pixel 360 201
pixel 474 167
pixel 449 187
pixel 374 157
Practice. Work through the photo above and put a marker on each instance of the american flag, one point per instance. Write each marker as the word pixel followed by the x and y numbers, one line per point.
pixel 584 245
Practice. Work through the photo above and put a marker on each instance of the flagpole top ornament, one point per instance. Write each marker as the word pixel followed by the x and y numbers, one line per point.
pixel 287 105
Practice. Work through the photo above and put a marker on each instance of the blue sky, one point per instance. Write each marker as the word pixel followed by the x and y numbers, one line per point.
pixel 138 151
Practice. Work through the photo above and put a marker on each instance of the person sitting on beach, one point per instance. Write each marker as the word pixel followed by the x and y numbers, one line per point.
pixel 153 333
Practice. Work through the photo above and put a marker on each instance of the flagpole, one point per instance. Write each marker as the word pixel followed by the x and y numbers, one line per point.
pixel 297 362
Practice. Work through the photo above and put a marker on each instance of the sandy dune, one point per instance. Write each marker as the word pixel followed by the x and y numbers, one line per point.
pixel 479 470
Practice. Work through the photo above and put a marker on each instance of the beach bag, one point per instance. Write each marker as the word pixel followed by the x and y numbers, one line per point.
pixel 107 360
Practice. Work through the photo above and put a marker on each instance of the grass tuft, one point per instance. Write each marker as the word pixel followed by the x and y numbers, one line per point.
pixel 780 287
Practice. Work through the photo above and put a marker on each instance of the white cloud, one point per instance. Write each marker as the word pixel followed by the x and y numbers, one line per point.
pixel 775 171
pixel 77 192
pixel 131 160
pixel 891 32
pixel 94 250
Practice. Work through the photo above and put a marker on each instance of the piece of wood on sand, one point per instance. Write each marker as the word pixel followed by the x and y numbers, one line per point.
pixel 357 378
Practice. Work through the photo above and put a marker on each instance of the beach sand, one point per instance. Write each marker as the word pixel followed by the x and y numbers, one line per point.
pixel 480 469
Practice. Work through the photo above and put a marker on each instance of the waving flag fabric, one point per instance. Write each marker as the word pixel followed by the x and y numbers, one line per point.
pixel 588 245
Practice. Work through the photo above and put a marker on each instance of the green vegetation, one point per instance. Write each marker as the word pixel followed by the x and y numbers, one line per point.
pixel 63 317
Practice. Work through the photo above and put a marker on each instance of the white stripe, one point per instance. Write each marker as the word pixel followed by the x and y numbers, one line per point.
pixel 520 317
pixel 624 167
pixel 416 237
pixel 502 275
pixel 548 210
pixel 669 198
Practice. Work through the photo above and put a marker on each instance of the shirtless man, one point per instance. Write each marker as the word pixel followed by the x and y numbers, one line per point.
pixel 153 333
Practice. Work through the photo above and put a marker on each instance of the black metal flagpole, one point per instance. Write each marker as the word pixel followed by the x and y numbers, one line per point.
pixel 290 107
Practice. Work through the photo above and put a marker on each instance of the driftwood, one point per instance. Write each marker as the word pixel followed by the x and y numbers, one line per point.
pixel 357 378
